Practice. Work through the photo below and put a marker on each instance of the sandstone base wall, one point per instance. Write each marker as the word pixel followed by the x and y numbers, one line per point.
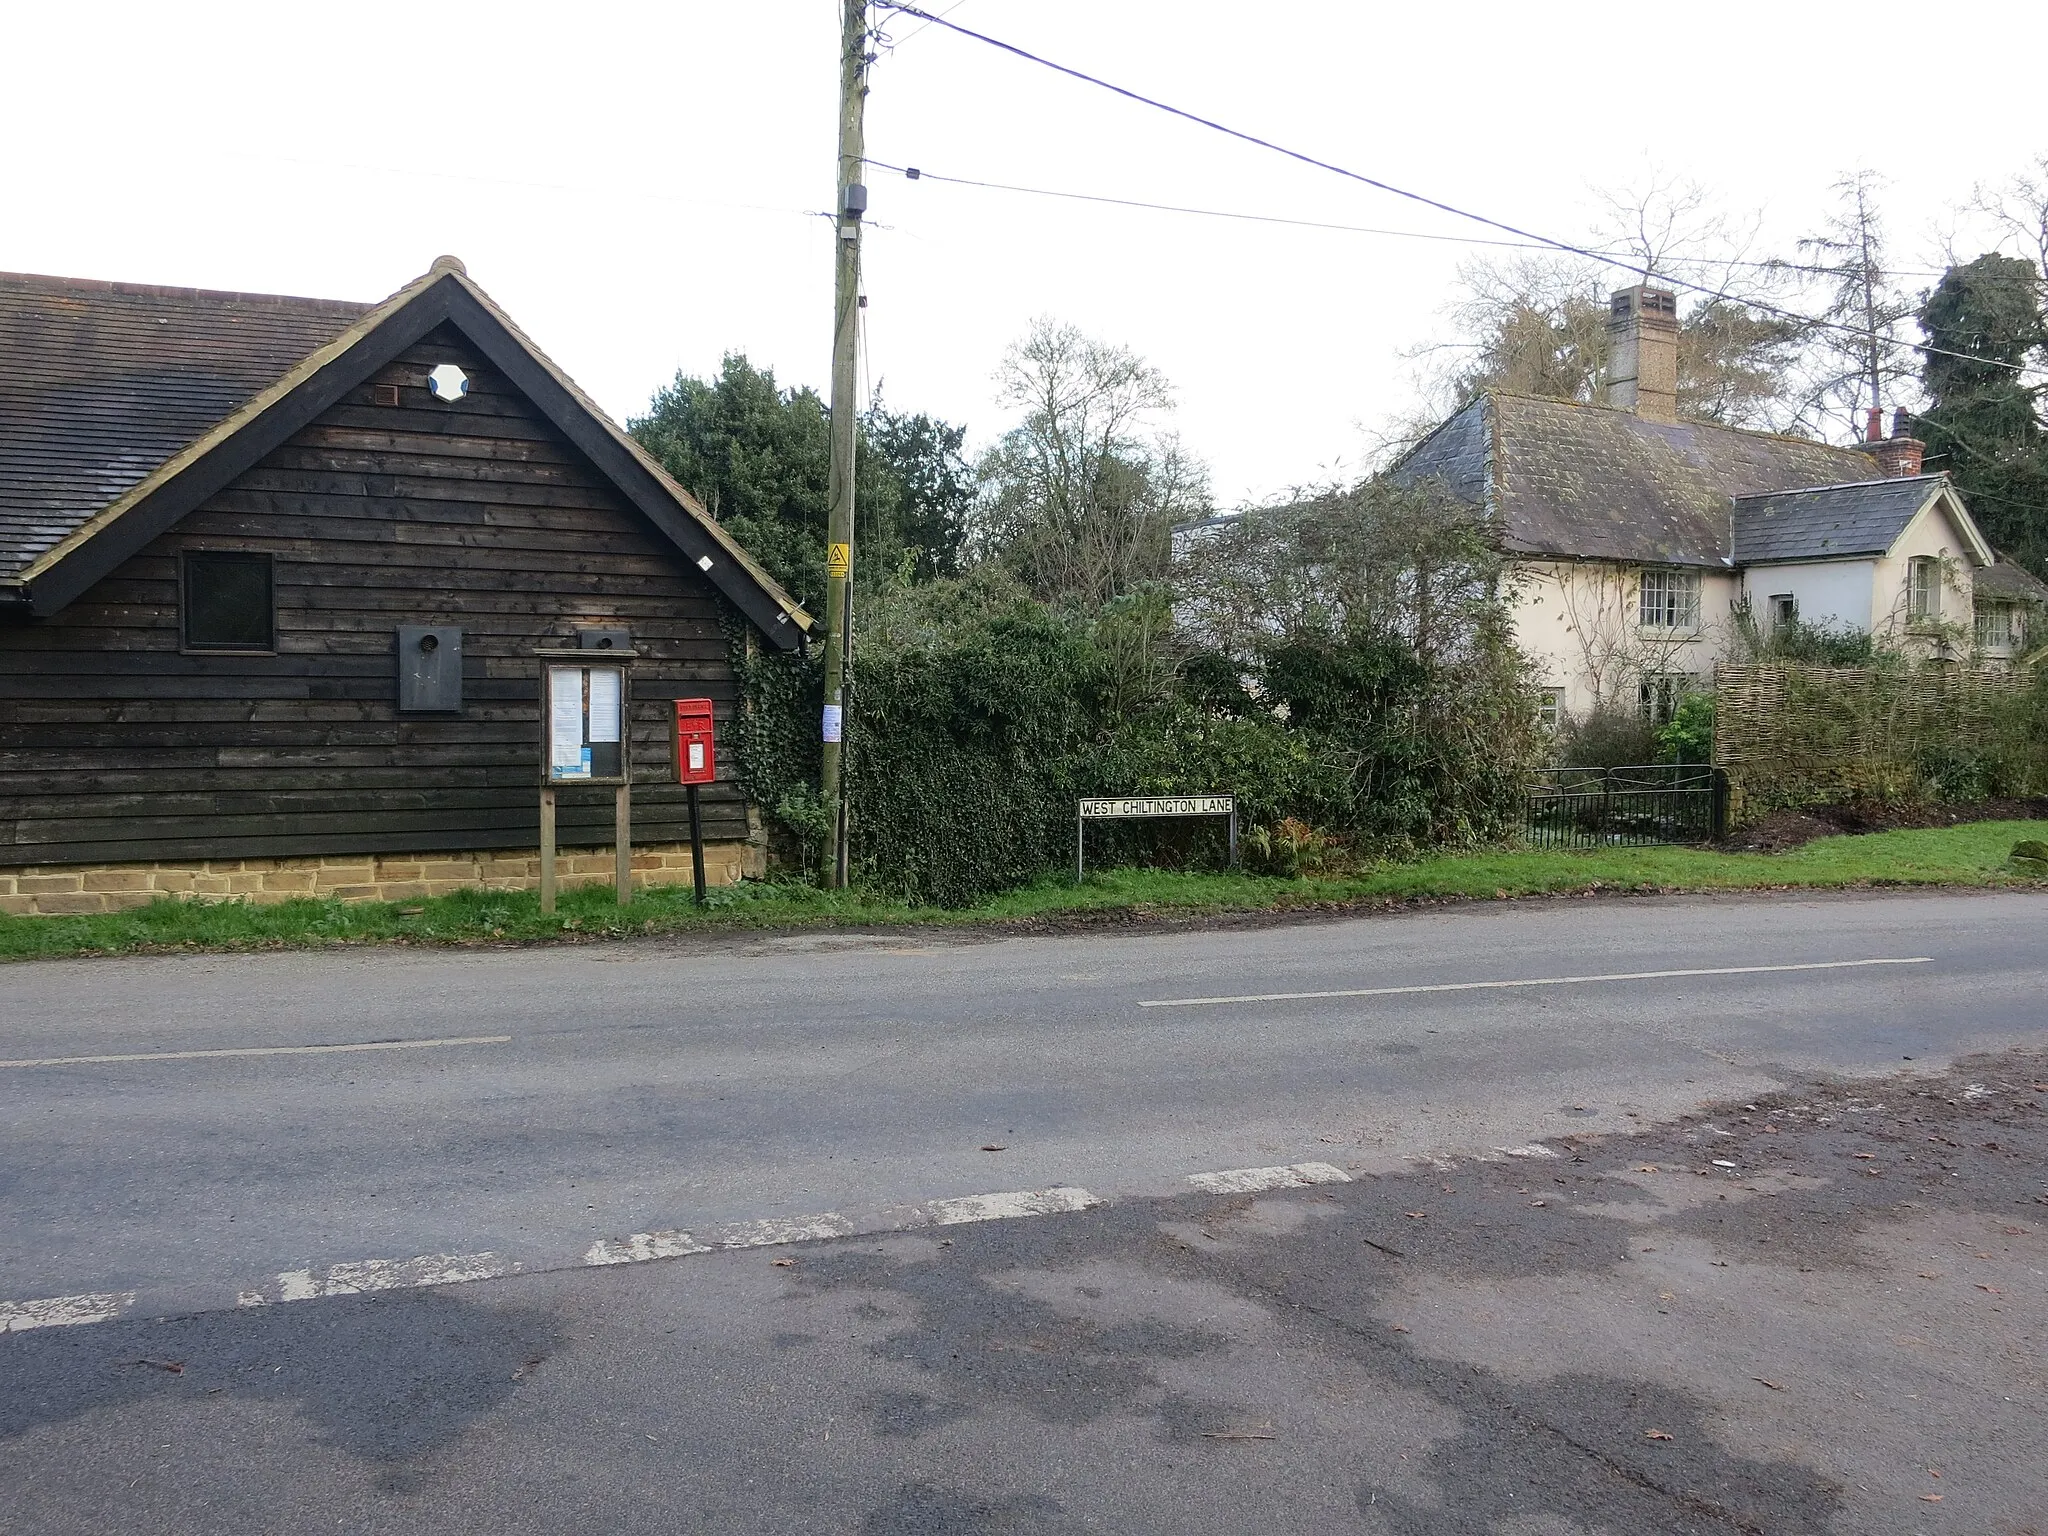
pixel 64 889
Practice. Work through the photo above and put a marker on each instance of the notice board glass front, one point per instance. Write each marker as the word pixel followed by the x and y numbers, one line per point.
pixel 585 711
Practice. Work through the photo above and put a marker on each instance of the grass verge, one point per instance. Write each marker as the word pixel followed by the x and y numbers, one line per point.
pixel 1973 854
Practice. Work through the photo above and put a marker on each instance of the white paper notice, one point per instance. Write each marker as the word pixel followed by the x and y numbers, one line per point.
pixel 696 757
pixel 565 722
pixel 831 722
pixel 604 703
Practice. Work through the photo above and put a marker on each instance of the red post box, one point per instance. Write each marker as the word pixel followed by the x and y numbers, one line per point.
pixel 696 754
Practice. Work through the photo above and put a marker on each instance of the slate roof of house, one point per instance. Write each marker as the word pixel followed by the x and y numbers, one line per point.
pixel 1568 479
pixel 102 382
pixel 1829 522
pixel 2009 583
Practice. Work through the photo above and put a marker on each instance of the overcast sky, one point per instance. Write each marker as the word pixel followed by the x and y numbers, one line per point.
pixel 637 183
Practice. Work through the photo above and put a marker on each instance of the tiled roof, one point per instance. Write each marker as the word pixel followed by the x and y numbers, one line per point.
pixel 2009 583
pixel 1587 481
pixel 102 382
pixel 1830 521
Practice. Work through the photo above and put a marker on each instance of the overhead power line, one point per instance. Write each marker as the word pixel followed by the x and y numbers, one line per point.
pixel 1547 241
pixel 916 173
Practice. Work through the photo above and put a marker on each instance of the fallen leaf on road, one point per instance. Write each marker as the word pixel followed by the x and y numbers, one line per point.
pixel 1722 1162
pixel 1534 1203
pixel 1930 1274
pixel 1415 1215
pixel 1655 1434
pixel 1399 1329
pixel 785 1263
pixel 992 1147
pixel 1994 1290
pixel 1666 1296
pixel 1930 1498
pixel 1767 1382
pixel 1866 1154
pixel 1646 1167
pixel 2015 1231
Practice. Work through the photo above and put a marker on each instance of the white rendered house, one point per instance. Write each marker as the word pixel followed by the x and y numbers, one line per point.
pixel 1637 539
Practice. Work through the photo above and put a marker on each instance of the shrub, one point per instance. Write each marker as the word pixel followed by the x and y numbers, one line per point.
pixel 1607 738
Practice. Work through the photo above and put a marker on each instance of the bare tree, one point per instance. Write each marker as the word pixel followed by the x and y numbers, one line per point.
pixel 1859 359
pixel 2018 210
pixel 1081 496
pixel 1538 324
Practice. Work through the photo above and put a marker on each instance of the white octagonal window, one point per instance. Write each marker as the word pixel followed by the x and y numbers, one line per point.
pixel 448 382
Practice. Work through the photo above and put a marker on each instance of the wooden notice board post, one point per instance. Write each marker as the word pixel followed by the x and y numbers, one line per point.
pixel 586 712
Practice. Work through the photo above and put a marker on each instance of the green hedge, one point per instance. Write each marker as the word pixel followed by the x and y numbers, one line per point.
pixel 969 741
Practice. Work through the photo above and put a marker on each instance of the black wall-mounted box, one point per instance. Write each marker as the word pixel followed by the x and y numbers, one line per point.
pixel 429 669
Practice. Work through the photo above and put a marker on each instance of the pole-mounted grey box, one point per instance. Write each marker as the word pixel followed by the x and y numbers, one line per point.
pixel 605 639
pixel 429 669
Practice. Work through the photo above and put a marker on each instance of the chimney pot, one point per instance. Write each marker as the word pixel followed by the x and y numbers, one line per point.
pixel 1873 426
pixel 1642 352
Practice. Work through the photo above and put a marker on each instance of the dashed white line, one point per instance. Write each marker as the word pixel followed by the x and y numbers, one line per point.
pixel 363 1276
pixel 786 1229
pixel 1246 1181
pixel 63 1311
pixel 1533 981
pixel 642 1246
pixel 1020 1202
pixel 258 1050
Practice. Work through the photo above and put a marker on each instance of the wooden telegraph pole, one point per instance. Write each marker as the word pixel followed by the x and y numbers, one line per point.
pixel 853 202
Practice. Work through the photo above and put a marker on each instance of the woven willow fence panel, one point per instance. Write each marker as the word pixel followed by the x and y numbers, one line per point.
pixel 1792 735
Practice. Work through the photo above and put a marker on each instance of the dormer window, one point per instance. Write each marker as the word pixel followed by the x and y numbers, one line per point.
pixel 1670 600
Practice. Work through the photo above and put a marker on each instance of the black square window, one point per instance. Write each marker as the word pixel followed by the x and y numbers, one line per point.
pixel 228 604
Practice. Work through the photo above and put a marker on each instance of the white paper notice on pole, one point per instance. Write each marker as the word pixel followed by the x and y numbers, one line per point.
pixel 565 724
pixel 832 718
pixel 604 703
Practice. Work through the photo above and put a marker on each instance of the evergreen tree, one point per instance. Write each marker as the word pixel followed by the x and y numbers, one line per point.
pixel 759 457
pixel 1984 422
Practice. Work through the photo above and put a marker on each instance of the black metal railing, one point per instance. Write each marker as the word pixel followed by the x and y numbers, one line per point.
pixel 1635 807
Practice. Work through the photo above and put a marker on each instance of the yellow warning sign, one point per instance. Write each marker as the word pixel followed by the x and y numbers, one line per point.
pixel 839 561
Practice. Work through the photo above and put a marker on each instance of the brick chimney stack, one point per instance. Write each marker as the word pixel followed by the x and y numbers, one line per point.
pixel 1642 352
pixel 1898 456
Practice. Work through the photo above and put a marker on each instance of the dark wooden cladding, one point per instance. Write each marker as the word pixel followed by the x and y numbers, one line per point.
pixel 117 746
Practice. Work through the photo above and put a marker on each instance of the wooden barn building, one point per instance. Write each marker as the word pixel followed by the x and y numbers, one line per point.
pixel 218 511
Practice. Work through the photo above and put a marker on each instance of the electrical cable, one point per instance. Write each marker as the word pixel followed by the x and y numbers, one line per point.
pixel 1402 192
pixel 915 173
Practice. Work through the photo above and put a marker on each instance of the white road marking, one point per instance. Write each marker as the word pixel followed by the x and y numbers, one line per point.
pixel 1246 1181
pixel 642 1246
pixel 259 1050
pixel 366 1275
pixel 999 1207
pixel 63 1311
pixel 785 1229
pixel 1534 981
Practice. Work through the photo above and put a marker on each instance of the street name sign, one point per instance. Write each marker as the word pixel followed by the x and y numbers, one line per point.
pixel 1158 805
pixel 1120 807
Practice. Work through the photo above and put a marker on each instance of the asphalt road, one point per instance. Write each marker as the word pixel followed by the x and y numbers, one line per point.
pixel 646 1087
pixel 1543 1301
